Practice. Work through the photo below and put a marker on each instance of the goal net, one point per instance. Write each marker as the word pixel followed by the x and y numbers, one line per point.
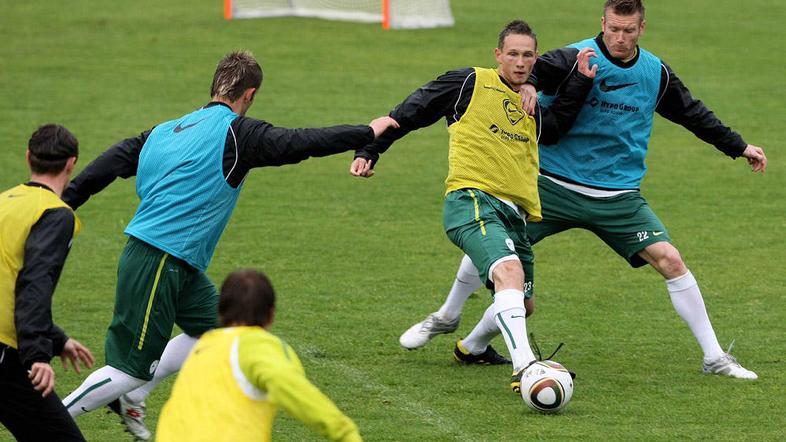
pixel 396 14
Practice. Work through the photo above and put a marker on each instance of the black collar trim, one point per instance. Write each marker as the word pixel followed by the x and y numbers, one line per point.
pixel 37 184
pixel 216 103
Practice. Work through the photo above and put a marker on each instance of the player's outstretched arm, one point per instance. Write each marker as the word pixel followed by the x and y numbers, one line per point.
pixel 425 106
pixel 361 167
pixel 756 158
pixel 381 124
pixel 277 370
pixel 120 160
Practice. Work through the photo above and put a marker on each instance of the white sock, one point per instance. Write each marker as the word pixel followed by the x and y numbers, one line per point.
pixel 687 300
pixel 172 359
pixel 480 337
pixel 466 282
pixel 509 314
pixel 100 388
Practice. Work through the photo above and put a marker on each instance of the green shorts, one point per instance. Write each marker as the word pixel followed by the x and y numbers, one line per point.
pixel 155 291
pixel 625 222
pixel 488 230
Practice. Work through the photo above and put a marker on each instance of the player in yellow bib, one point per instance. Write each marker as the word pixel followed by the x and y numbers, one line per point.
pixel 591 178
pixel 492 180
pixel 36 230
pixel 237 377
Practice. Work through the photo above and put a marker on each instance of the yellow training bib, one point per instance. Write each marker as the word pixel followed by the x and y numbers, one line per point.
pixel 493 147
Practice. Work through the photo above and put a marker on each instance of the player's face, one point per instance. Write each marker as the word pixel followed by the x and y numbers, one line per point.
pixel 621 33
pixel 516 59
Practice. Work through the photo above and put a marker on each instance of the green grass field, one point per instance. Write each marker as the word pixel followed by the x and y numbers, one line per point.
pixel 355 262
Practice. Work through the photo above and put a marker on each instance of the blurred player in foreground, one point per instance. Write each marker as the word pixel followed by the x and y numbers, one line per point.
pixel 237 377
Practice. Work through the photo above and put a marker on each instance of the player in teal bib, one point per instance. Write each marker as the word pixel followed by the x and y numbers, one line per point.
pixel 590 177
pixel 185 201
pixel 189 171
pixel 618 112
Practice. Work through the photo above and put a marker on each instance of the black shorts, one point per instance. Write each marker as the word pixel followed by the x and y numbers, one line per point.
pixel 27 415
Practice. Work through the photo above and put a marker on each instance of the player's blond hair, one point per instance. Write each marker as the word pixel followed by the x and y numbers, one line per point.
pixel 236 73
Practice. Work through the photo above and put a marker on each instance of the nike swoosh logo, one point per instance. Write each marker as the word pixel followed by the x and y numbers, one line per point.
pixel 657 233
pixel 180 128
pixel 13 196
pixel 613 87
pixel 516 316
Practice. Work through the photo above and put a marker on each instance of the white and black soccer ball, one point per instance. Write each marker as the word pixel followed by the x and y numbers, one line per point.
pixel 546 386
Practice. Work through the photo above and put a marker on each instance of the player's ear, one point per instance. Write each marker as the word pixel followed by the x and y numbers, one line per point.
pixel 70 165
pixel 248 95
pixel 271 318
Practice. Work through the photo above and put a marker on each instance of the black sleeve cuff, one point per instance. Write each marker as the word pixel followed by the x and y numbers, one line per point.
pixel 59 339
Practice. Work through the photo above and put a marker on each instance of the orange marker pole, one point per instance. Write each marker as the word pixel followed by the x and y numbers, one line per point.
pixel 385 14
pixel 227 9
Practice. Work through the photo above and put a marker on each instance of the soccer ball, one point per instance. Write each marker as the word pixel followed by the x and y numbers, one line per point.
pixel 546 386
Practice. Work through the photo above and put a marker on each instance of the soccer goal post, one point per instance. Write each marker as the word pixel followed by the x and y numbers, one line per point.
pixel 393 14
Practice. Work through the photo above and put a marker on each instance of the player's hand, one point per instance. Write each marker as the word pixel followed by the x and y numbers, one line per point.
pixel 42 376
pixel 381 124
pixel 361 167
pixel 74 351
pixel 529 98
pixel 756 158
pixel 583 62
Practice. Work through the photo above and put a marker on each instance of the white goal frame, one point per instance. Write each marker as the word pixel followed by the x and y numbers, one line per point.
pixel 392 13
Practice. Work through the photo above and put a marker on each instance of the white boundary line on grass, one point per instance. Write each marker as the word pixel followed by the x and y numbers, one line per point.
pixel 398 400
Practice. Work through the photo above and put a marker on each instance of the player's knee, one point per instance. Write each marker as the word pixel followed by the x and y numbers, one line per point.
pixel 671 264
pixel 508 274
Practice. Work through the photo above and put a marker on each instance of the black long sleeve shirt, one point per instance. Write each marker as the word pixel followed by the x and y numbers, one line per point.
pixel 46 249
pixel 675 101
pixel 449 95
pixel 250 143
